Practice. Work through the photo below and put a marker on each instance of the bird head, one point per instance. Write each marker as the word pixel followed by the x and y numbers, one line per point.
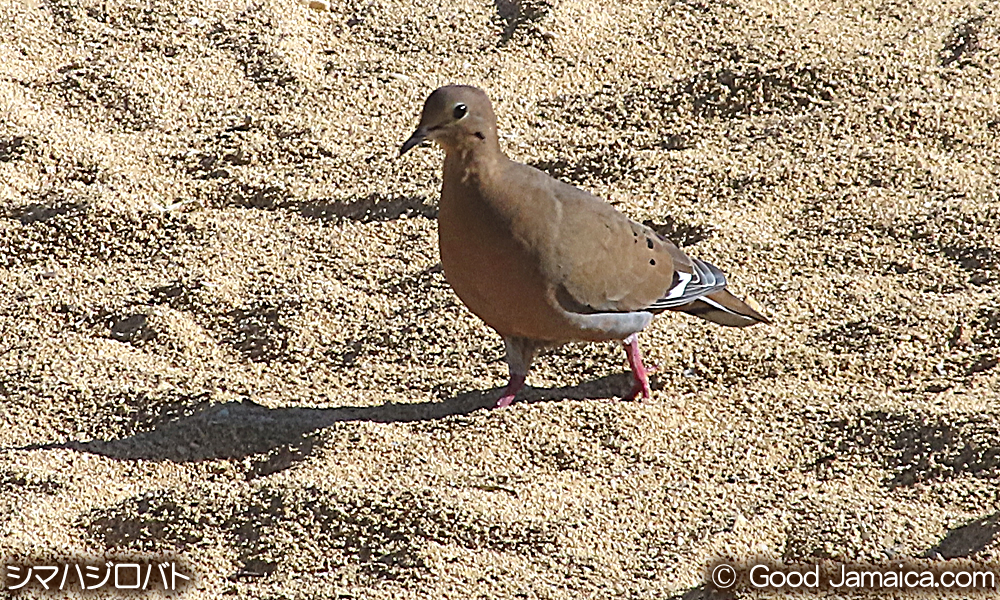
pixel 455 116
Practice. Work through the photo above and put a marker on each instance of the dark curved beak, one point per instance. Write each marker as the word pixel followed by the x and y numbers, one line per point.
pixel 418 136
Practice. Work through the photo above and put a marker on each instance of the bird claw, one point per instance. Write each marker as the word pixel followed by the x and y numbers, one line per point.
pixel 504 401
pixel 513 387
pixel 639 388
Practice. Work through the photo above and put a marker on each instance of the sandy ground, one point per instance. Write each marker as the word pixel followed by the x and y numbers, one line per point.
pixel 225 335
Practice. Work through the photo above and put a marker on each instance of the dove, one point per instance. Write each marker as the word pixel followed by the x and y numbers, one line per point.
pixel 545 263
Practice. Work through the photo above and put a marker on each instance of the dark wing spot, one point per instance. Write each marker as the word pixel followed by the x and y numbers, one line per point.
pixel 649 242
pixel 480 135
pixel 652 262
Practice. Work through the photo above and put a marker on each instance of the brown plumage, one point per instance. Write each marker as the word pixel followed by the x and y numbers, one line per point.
pixel 543 262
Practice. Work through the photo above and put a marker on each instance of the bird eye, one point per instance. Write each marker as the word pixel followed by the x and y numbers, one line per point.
pixel 460 111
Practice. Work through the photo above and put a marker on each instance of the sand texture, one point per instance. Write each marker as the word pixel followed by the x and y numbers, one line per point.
pixel 225 335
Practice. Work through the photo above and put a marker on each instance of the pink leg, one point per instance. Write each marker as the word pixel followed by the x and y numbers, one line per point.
pixel 520 351
pixel 641 385
pixel 515 385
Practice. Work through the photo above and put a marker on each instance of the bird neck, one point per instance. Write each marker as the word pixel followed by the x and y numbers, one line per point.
pixel 474 162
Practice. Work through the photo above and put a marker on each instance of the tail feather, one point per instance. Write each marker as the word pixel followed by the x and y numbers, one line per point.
pixel 725 309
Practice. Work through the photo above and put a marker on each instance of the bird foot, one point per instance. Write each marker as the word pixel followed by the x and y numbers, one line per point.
pixel 513 387
pixel 639 388
pixel 504 401
pixel 639 373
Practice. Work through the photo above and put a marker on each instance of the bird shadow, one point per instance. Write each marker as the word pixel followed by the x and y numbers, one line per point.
pixel 969 539
pixel 234 430
pixel 372 208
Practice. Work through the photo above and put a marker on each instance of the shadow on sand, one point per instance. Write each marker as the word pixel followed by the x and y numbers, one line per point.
pixel 235 430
